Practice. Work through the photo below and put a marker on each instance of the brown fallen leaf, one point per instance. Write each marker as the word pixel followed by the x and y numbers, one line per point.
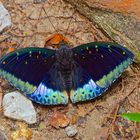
pixel 23 132
pixel 54 40
pixel 74 119
pixel 59 119
pixel 11 49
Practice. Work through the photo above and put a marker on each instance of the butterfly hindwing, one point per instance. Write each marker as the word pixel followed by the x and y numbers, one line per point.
pixel 101 64
pixel 26 69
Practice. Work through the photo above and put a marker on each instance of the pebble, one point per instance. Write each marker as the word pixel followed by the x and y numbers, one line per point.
pixel 17 106
pixel 71 131
pixel 5 19
pixel 3 136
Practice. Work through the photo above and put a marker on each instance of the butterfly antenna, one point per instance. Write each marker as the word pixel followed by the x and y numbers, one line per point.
pixel 50 20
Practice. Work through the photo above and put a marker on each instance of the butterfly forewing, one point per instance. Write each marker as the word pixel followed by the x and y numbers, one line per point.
pixel 26 69
pixel 102 63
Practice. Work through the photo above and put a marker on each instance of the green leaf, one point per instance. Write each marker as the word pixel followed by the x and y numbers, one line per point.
pixel 131 116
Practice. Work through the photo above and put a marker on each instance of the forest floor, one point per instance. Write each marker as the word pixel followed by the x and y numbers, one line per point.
pixel 94 120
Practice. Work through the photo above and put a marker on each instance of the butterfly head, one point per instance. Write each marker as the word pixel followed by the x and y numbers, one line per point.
pixel 63 44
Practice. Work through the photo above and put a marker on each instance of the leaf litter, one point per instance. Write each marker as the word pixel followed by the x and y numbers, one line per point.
pixel 98 119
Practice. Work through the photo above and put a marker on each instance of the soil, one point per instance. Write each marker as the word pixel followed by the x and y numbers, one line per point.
pixel 94 120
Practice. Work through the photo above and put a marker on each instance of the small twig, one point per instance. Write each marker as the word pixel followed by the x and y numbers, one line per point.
pixel 135 132
pixel 122 83
pixel 113 121
pixel 56 17
pixel 50 20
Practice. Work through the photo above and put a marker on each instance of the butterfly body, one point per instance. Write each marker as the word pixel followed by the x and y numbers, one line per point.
pixel 50 77
pixel 64 67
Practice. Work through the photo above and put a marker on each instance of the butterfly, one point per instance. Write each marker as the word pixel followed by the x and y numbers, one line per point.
pixel 51 77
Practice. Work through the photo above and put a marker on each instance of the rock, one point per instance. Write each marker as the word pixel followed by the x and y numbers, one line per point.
pixel 3 136
pixel 17 106
pixel 5 19
pixel 121 27
pixel 71 131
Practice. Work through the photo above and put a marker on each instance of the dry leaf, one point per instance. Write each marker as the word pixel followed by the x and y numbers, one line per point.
pixel 74 119
pixel 23 132
pixel 54 40
pixel 59 119
pixel 11 49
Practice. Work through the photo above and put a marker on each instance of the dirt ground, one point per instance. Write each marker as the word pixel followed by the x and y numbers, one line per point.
pixel 94 120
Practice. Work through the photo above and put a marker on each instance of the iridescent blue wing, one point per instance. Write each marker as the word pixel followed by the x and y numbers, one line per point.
pixel 27 68
pixel 100 64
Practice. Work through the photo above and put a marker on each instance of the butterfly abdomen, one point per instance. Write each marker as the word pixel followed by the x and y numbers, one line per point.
pixel 67 79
